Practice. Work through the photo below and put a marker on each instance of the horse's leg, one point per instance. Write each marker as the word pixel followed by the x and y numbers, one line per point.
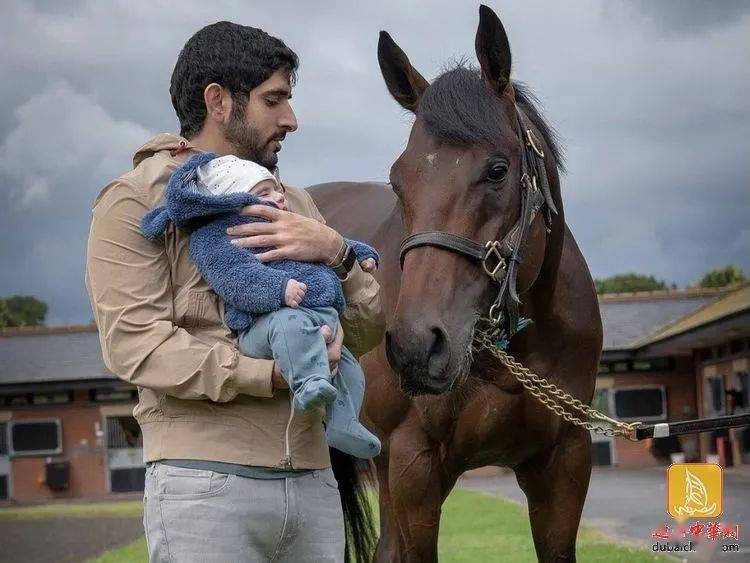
pixel 418 486
pixel 555 484
pixel 389 544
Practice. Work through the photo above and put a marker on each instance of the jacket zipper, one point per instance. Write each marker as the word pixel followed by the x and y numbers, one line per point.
pixel 287 461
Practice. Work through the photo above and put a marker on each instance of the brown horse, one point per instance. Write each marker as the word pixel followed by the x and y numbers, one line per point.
pixel 439 408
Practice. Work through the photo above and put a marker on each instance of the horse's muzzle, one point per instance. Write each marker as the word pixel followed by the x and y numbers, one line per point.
pixel 420 355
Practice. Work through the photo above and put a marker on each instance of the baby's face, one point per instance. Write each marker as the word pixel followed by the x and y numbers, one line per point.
pixel 267 191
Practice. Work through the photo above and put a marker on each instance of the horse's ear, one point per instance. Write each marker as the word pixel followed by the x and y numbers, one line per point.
pixel 403 81
pixel 493 50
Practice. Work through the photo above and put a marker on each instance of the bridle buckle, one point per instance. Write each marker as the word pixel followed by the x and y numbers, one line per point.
pixel 532 142
pixel 492 254
pixel 534 185
pixel 495 316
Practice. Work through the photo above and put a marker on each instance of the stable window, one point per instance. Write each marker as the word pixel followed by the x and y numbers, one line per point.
pixel 124 454
pixel 653 364
pixel 640 403
pixel 3 439
pixel 602 450
pixel 4 465
pixel 113 395
pixel 127 480
pixel 17 400
pixel 35 437
pixel 743 380
pixel 52 398
pixel 123 432
pixel 714 396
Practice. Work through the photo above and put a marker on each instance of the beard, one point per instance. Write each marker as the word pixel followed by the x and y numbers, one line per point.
pixel 248 141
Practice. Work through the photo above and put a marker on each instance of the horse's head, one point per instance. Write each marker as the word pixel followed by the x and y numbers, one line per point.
pixel 461 173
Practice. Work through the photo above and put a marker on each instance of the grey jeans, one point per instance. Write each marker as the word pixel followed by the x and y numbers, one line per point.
pixel 198 515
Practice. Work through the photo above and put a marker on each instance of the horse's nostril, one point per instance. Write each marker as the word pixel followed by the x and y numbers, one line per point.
pixel 420 355
pixel 439 353
pixel 438 342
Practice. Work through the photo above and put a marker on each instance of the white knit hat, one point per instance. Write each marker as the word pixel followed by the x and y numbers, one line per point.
pixel 231 175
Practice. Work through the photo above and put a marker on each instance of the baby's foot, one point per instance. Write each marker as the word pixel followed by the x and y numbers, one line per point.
pixel 355 440
pixel 314 393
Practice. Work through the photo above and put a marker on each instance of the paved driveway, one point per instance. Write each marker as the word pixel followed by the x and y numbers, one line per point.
pixel 629 504
pixel 63 540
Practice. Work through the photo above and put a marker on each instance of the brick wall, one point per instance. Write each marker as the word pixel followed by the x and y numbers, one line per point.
pixel 81 448
pixel 681 405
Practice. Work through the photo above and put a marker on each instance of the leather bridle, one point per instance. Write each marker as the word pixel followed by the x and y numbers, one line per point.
pixel 501 259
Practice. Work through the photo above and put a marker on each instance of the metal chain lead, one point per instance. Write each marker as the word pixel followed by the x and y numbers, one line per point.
pixel 552 397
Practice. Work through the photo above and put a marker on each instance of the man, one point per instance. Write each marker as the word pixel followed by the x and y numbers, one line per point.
pixel 233 473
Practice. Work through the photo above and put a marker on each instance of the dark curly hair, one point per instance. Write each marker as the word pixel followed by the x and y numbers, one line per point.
pixel 237 57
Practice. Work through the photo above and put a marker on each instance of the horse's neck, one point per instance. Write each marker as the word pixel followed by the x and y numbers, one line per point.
pixel 543 288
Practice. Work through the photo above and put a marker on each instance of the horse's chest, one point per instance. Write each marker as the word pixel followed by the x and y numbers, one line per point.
pixel 485 423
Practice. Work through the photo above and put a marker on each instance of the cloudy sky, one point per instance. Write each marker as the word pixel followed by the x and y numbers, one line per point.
pixel 651 98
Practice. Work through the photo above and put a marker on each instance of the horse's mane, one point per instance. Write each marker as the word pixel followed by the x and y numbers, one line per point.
pixel 459 108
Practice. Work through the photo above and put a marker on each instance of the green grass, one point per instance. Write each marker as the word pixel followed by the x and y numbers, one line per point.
pixel 474 527
pixel 82 510
pixel 134 552
pixel 481 527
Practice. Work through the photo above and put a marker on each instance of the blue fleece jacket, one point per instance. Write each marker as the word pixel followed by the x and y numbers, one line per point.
pixel 247 286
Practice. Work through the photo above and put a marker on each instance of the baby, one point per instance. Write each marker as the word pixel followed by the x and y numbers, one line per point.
pixel 278 307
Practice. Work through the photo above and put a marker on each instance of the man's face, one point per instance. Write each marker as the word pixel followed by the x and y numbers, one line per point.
pixel 257 129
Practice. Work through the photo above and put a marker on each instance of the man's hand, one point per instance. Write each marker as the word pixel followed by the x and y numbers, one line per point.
pixel 295 293
pixel 292 236
pixel 334 357
pixel 277 380
pixel 334 347
pixel 369 265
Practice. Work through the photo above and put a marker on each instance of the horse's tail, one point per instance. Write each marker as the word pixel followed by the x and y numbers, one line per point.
pixel 353 476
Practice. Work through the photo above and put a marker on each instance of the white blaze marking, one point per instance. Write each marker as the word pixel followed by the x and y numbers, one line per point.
pixel 431 158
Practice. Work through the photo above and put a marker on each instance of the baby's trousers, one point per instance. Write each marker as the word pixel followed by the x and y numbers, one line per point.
pixel 292 338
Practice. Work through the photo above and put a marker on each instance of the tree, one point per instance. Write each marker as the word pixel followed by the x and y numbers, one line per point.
pixel 4 321
pixel 720 277
pixel 22 310
pixel 628 283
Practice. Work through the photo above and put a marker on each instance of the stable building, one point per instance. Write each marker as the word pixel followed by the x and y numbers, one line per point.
pixel 67 430
pixel 66 424
pixel 671 356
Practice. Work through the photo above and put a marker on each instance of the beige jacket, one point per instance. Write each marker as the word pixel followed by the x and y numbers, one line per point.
pixel 161 328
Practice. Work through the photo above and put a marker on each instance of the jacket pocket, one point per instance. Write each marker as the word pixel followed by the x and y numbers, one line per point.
pixel 203 310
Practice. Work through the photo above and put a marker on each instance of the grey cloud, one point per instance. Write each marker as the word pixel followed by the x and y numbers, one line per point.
pixel 689 16
pixel 655 129
pixel 62 149
pixel 57 7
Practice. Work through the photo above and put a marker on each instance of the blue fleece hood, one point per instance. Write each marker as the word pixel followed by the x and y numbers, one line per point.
pixel 187 207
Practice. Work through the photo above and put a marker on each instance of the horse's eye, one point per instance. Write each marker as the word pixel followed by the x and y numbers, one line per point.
pixel 497 172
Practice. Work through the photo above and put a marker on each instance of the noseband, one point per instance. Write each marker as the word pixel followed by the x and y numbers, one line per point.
pixel 500 259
